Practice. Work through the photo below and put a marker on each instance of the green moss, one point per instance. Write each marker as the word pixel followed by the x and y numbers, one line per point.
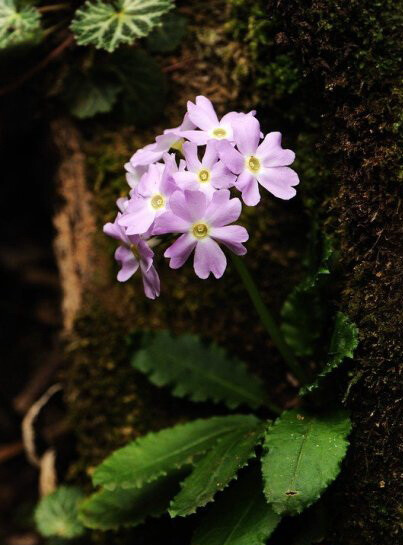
pixel 346 108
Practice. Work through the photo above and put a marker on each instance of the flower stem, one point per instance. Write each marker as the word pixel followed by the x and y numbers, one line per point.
pixel 268 320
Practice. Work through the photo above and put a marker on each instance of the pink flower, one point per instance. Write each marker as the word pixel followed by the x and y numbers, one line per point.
pixel 134 174
pixel 203 115
pixel 206 175
pixel 154 152
pixel 149 199
pixel 132 254
pixel 264 164
pixel 203 223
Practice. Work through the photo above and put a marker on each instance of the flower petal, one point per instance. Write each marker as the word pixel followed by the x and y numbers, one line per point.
pixel 129 264
pixel 221 176
pixel 184 178
pixel 243 180
pixel 210 155
pixel 231 158
pixel 209 258
pixel 170 223
pixel 232 236
pixel 114 230
pixel 204 103
pixel 247 134
pixel 222 209
pixel 250 192
pixel 138 219
pixel 190 153
pixel 199 137
pixel 146 254
pixel 180 250
pixel 151 282
pixel 271 152
pixel 188 205
pixel 200 117
pixel 279 181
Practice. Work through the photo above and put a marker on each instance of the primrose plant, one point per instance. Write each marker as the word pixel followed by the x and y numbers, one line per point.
pixel 192 198
pixel 240 473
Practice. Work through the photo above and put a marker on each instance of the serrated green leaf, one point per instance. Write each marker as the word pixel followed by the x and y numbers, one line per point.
pixel 158 454
pixel 106 25
pixel 217 468
pixel 113 509
pixel 302 457
pixel 88 96
pixel 240 516
pixel 19 23
pixel 304 311
pixel 197 371
pixel 144 86
pixel 168 34
pixel 342 345
pixel 57 514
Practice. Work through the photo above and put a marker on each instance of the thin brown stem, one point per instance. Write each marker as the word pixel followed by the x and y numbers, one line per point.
pixel 55 7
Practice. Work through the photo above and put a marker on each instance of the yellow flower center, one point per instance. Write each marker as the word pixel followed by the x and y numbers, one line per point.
pixel 157 202
pixel 200 230
pixel 219 133
pixel 204 176
pixel 253 164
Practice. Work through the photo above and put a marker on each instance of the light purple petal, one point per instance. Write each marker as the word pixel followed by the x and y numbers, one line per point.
pixel 170 223
pixel 210 155
pixel 231 158
pixel 151 282
pixel 179 206
pixel 230 118
pixel 221 176
pixel 204 103
pixel 138 219
pixel 180 250
pixel 184 178
pixel 196 203
pixel 247 134
pixel 232 236
pixel 200 117
pixel 271 152
pixel 122 203
pixel 209 258
pixel 188 205
pixel 149 183
pixel 250 192
pixel 185 125
pixel 222 209
pixel 190 153
pixel 146 254
pixel 153 152
pixel 199 137
pixel 115 231
pixel 243 180
pixel 168 184
pixel 129 264
pixel 279 181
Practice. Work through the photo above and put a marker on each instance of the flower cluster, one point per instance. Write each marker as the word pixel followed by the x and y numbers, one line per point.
pixel 191 196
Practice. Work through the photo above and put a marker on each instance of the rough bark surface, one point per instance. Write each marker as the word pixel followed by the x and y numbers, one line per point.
pixel 74 221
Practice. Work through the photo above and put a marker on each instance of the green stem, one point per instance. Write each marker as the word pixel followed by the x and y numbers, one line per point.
pixel 268 320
